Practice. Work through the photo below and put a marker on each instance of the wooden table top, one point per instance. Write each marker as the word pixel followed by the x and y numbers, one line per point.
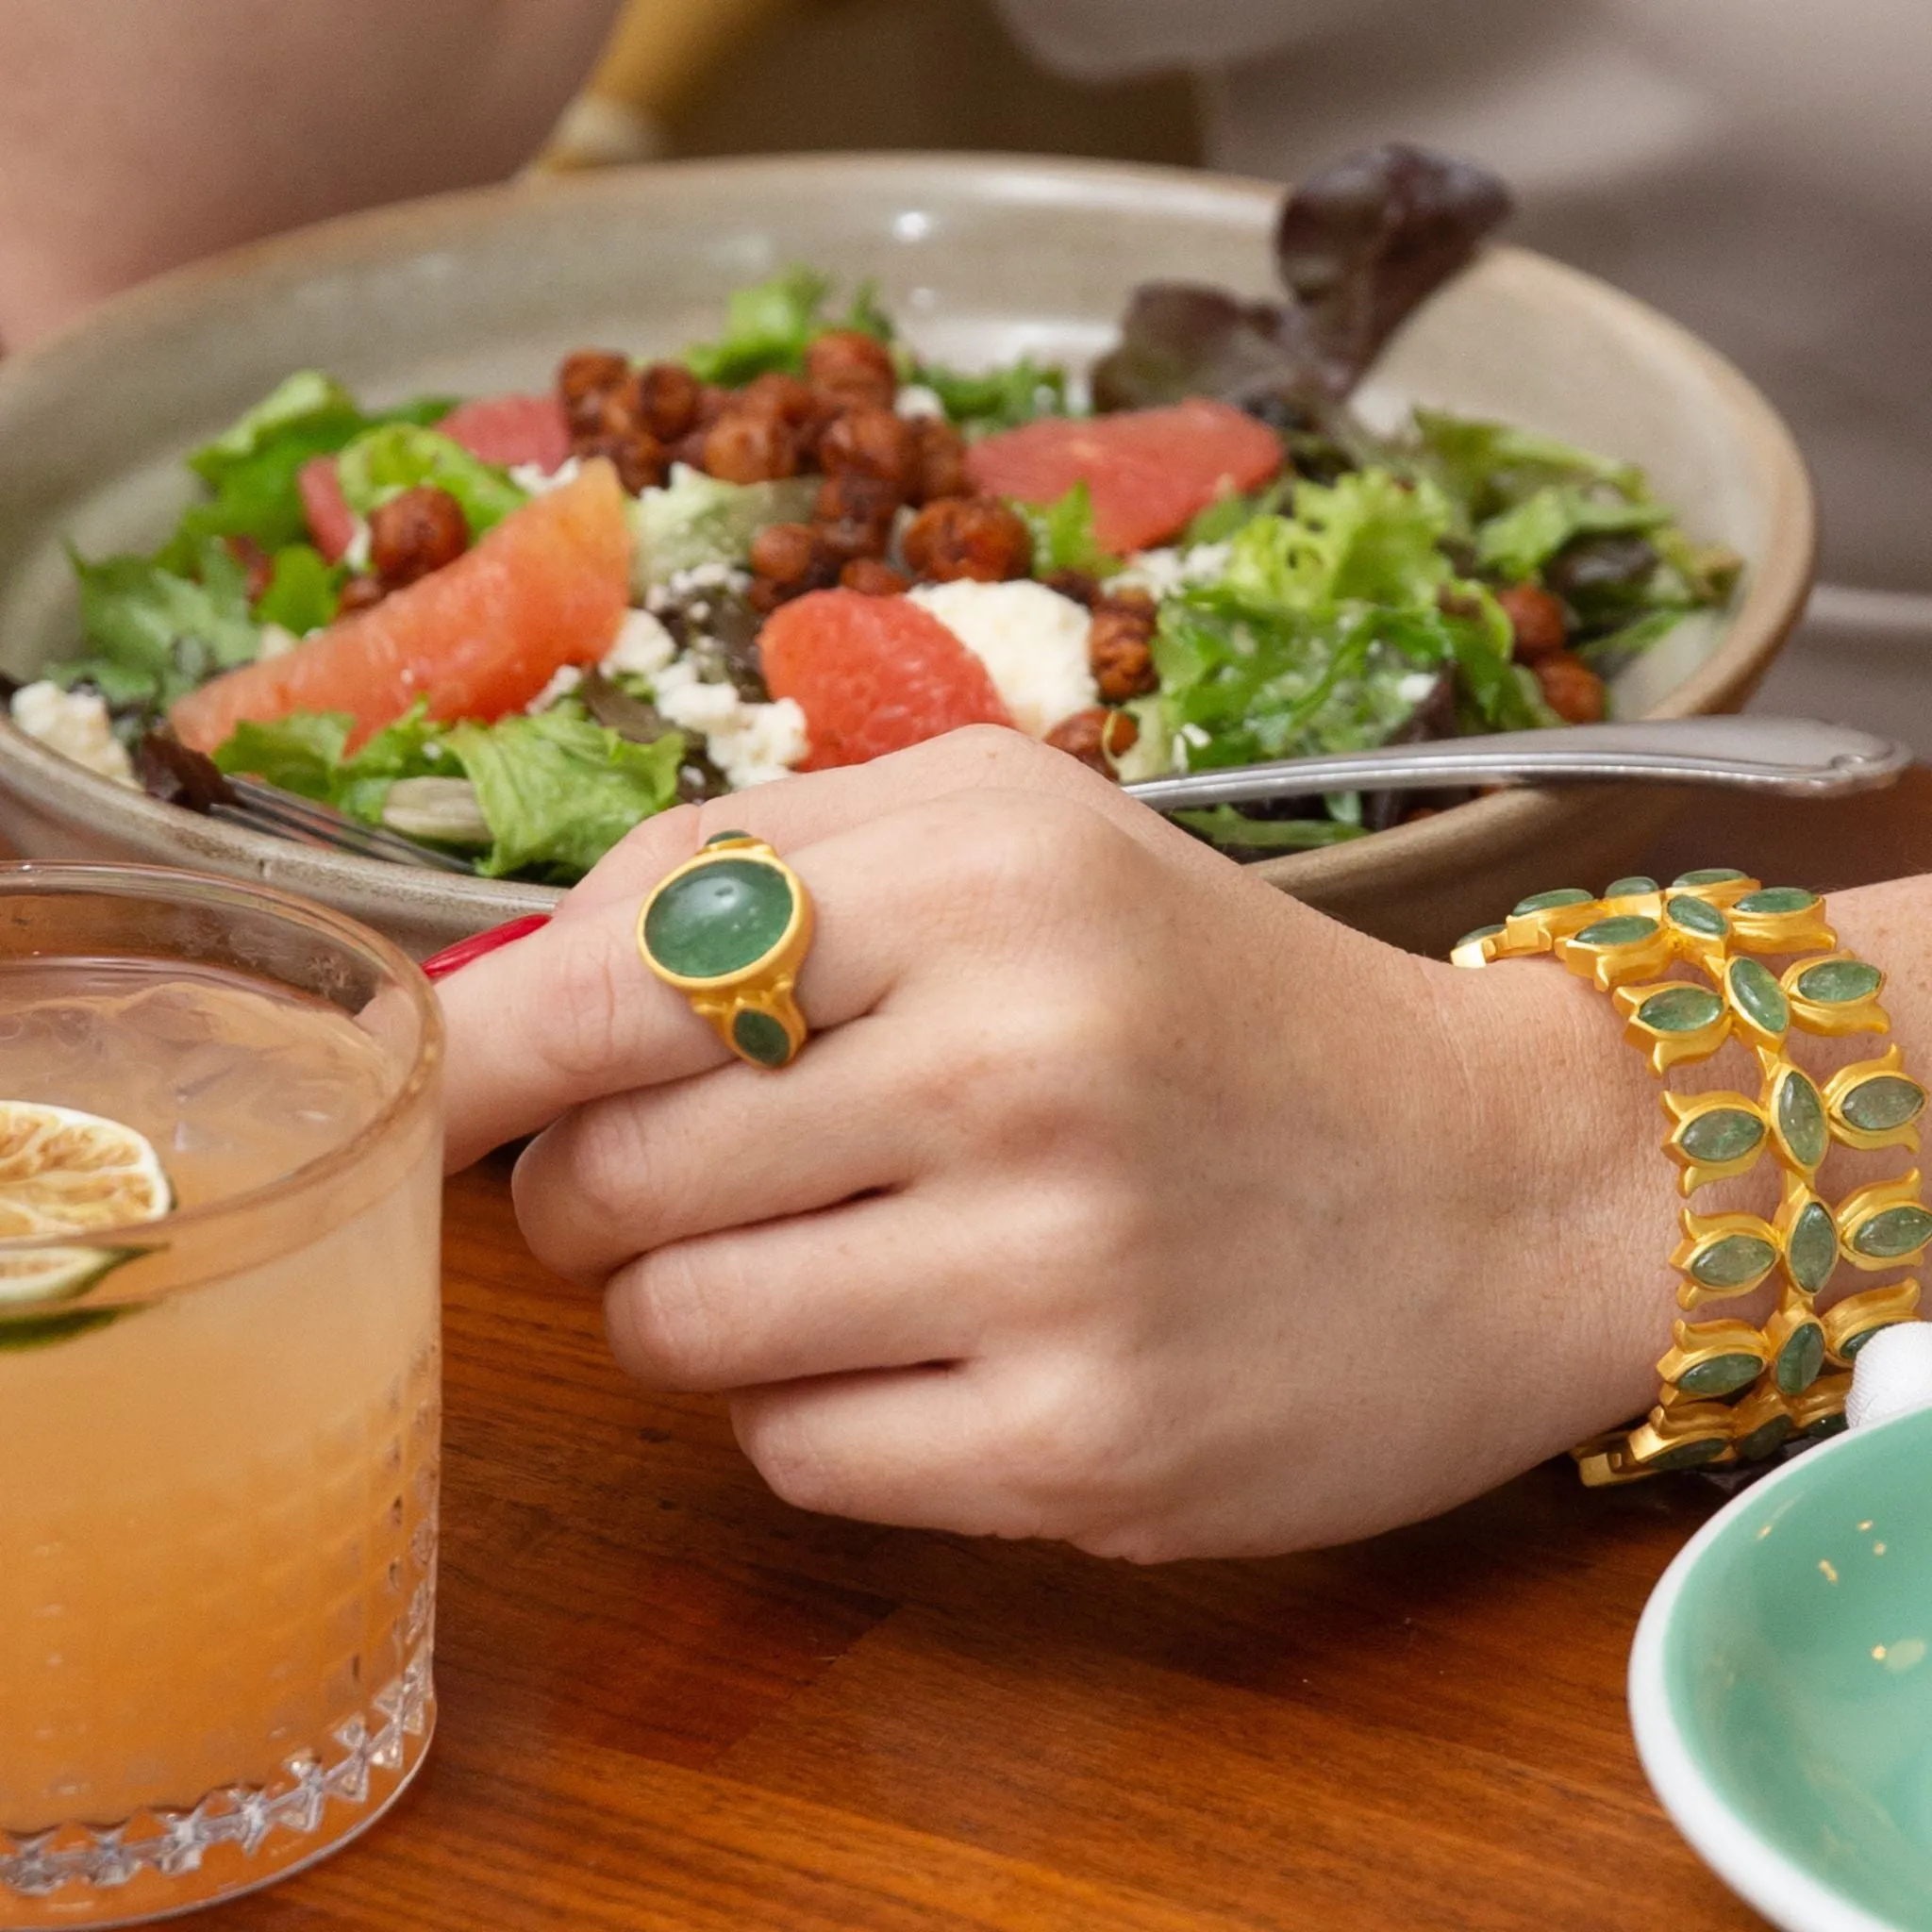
pixel 671 1702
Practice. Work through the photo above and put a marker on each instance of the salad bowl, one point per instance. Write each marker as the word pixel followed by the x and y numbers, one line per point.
pixel 981 260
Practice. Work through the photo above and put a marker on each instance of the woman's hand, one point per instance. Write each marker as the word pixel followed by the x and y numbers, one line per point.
pixel 1116 1198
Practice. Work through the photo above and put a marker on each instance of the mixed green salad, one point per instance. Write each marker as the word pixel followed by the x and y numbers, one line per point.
pixel 514 627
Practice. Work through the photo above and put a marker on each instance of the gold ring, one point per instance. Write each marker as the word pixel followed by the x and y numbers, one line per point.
pixel 729 929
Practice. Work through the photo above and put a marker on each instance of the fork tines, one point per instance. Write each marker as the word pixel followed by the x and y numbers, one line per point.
pixel 304 822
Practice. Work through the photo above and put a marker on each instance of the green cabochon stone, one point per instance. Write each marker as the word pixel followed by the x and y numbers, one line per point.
pixel 1812 1249
pixel 1624 930
pixel 1680 1009
pixel 1778 899
pixel 1544 902
pixel 1694 915
pixel 1894 1232
pixel 1838 982
pixel 1711 875
pixel 1733 1261
pixel 720 919
pixel 1765 1437
pixel 1688 1455
pixel 1481 932
pixel 1801 1119
pixel 1721 1376
pixel 1760 997
pixel 761 1037
pixel 1800 1359
pixel 1628 888
pixel 1727 1133
pixel 1877 1106
pixel 724 838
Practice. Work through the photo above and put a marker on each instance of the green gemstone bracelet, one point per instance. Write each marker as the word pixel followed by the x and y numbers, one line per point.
pixel 1734 1393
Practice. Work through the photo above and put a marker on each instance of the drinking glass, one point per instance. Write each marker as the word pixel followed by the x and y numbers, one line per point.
pixel 219 1449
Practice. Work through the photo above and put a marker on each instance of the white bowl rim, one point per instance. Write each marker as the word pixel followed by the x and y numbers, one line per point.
pixel 1754 1867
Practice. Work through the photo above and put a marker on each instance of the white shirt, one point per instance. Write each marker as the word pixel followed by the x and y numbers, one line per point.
pixel 1759 169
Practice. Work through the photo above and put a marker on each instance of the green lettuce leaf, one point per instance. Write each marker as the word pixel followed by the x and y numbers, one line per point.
pixel 1490 467
pixel 997 398
pixel 382 463
pixel 1228 515
pixel 770 326
pixel 1063 535
pixel 697 519
pixel 154 634
pixel 1516 544
pixel 559 791
pixel 302 754
pixel 303 592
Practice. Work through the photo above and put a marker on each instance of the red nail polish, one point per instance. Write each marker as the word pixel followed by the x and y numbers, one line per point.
pixel 440 965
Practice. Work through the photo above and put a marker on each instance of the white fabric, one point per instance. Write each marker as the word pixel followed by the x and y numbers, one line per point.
pixel 1892 1374
pixel 1761 169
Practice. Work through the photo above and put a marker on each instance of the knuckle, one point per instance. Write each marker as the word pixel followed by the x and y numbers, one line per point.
pixel 587 998
pixel 664 1320
pixel 781 1442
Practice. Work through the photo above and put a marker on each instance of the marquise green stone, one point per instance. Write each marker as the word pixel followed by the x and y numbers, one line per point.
pixel 1758 996
pixel 1764 1440
pixel 1628 888
pixel 1832 1425
pixel 1696 915
pixel 1482 932
pixel 1777 899
pixel 1722 1374
pixel 1840 982
pixel 1893 1232
pixel 1626 929
pixel 1727 1133
pixel 1733 1261
pixel 1812 1249
pixel 761 1037
pixel 1877 1106
pixel 1800 1359
pixel 1680 1009
pixel 1688 1455
pixel 1801 1119
pixel 1711 875
pixel 1545 902
pixel 724 838
pixel 720 919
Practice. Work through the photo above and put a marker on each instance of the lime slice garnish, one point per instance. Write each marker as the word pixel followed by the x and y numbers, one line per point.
pixel 64 1171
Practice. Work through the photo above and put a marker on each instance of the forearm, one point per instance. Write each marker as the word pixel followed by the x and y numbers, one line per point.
pixel 135 138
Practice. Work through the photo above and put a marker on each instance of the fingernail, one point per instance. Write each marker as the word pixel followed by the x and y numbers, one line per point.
pixel 440 965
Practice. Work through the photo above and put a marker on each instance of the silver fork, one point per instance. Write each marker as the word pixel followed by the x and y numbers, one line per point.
pixel 303 822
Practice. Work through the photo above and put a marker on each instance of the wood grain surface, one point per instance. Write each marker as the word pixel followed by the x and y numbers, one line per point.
pixel 671 1702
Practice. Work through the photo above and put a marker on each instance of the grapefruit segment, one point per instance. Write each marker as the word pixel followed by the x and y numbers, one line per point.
pixel 873 675
pixel 508 430
pixel 331 521
pixel 479 637
pixel 1149 471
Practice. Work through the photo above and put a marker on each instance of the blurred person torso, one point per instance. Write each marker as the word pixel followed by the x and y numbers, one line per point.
pixel 1761 170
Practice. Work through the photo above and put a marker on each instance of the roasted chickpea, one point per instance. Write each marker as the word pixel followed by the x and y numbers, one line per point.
pixel 969 537
pixel 359 594
pixel 415 533
pixel 872 578
pixel 583 379
pixel 873 443
pixel 1570 688
pixel 637 456
pixel 1098 738
pixel 1536 620
pixel 853 499
pixel 665 398
pixel 747 446
pixel 855 367
pixel 941 461
pixel 795 557
pixel 1120 650
pixel 1076 584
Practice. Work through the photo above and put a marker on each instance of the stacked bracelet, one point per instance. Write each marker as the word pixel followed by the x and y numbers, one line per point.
pixel 1732 1392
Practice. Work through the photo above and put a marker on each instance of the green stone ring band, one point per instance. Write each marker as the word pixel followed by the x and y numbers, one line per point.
pixel 1681 963
pixel 729 929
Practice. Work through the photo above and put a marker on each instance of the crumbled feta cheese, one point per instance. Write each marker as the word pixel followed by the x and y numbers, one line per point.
pixel 1414 687
pixel 75 724
pixel 537 481
pixel 277 640
pixel 1195 736
pixel 1161 572
pixel 1032 641
pixel 690 703
pixel 358 554
pixel 643 647
pixel 916 402
pixel 563 680
pixel 751 743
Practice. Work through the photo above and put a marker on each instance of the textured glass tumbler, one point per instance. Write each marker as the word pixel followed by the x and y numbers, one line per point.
pixel 218 1452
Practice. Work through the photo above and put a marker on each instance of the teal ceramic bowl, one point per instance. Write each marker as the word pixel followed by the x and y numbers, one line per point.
pixel 1781 1687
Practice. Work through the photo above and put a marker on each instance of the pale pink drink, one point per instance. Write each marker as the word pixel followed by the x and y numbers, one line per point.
pixel 218 1460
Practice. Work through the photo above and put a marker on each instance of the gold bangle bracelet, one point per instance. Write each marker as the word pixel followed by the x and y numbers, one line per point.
pixel 1733 1392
